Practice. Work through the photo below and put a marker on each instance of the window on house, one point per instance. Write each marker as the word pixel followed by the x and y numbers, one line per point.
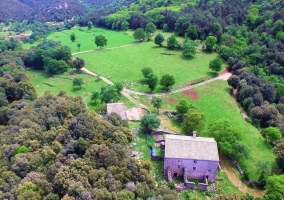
pixel 195 161
pixel 194 168
pixel 179 166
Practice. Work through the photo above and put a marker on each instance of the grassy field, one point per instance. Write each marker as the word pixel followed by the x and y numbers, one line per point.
pixel 55 84
pixel 215 101
pixel 125 64
pixel 87 38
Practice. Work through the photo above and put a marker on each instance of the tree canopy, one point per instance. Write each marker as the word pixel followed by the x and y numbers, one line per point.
pixel 100 41
pixel 139 34
pixel 167 81
pixel 150 121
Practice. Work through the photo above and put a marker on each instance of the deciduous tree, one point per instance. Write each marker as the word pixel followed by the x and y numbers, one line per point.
pixel 152 81
pixel 210 43
pixel 78 82
pixel 194 120
pixel 172 42
pixel 167 81
pixel 77 63
pixel 100 41
pixel 139 34
pixel 215 65
pixel 156 102
pixel 189 48
pixel 150 121
pixel 159 39
pixel 73 37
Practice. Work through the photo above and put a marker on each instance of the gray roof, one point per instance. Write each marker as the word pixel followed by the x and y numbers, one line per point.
pixel 187 147
pixel 117 108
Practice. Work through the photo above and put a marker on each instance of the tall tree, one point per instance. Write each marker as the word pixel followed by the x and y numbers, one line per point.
pixel 167 81
pixel 109 94
pixel 215 65
pixel 272 134
pixel 90 25
pixel 139 34
pixel 194 120
pixel 146 71
pixel 124 26
pixel 78 82
pixel 152 81
pixel 156 102
pixel 191 32
pixel 150 121
pixel 73 37
pixel 150 28
pixel 210 43
pixel 189 48
pixel 100 41
pixel 77 63
pixel 159 39
pixel 225 134
pixel 172 42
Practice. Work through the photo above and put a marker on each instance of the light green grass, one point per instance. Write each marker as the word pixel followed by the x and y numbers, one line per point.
pixel 64 82
pixel 87 38
pixel 125 64
pixel 216 102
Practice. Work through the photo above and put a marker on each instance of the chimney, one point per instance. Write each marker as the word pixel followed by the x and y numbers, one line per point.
pixel 194 134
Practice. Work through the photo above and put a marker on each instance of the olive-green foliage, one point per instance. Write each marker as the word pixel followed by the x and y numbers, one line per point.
pixel 78 82
pixel 167 81
pixel 100 41
pixel 139 34
pixel 272 134
pixel 225 134
pixel 194 120
pixel 150 121
pixel 189 48
pixel 172 42
pixel 216 65
pixel 210 43
pixel 159 39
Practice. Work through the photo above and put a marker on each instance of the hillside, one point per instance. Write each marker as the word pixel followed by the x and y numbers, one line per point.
pixel 46 10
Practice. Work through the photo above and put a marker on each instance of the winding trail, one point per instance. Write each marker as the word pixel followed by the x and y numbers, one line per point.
pixel 127 92
pixel 225 76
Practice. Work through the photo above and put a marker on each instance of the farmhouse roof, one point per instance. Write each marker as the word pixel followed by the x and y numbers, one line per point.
pixel 187 147
pixel 117 108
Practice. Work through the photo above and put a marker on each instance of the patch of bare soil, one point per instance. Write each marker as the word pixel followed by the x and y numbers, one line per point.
pixel 72 76
pixel 190 93
pixel 87 80
pixel 233 177
pixel 224 72
pixel 172 100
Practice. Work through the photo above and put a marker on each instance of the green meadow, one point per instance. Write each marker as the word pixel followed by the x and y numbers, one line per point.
pixel 55 84
pixel 125 64
pixel 215 101
pixel 87 38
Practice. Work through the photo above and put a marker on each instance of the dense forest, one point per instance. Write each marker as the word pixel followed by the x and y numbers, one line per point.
pixel 52 147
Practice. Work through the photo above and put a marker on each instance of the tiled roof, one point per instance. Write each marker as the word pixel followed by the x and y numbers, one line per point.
pixel 187 147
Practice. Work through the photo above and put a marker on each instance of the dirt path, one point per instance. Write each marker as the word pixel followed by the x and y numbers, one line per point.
pixel 97 50
pixel 233 177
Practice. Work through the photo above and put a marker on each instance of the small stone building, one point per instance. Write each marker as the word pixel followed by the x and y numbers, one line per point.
pixel 118 108
pixel 197 156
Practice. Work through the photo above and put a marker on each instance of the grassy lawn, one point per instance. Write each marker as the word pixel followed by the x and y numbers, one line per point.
pixel 215 101
pixel 87 38
pixel 125 64
pixel 55 84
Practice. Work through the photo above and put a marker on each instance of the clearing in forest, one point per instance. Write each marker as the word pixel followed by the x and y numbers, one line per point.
pixel 87 38
pixel 125 64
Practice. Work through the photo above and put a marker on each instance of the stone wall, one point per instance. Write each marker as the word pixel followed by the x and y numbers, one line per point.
pixel 196 169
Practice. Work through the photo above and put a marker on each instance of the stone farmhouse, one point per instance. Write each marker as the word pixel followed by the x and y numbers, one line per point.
pixel 191 157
